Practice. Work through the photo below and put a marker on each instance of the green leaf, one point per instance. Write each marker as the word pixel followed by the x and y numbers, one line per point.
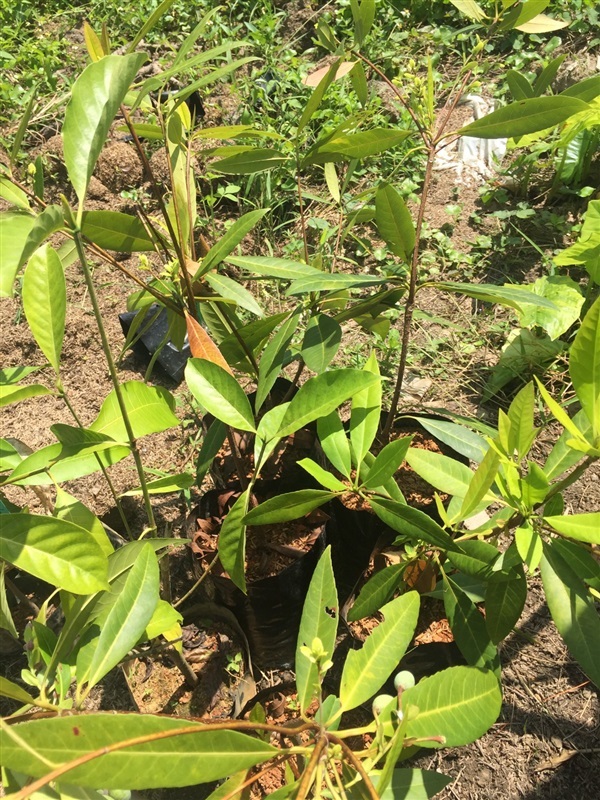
pixel 321 395
pixel 364 16
pixel 573 611
pixel 387 462
pixel 443 472
pixel 334 442
pixel 13 194
pixel 232 541
pixel 15 227
pixel 114 230
pixel 586 90
pixel 231 290
pixel 229 241
pixel 150 410
pixel 34 470
pixel 561 415
pixel 219 393
pixel 150 23
pixel 323 476
pixel 14 394
pixel 321 342
pixel 470 9
pixel 166 485
pixel 366 413
pixel 249 161
pixel 583 527
pixel 413 784
pixel 476 559
pixel 504 603
pixel 519 86
pixel 356 145
pixel 274 267
pixel 584 366
pixel 507 295
pixel 459 704
pixel 95 99
pixel 54 550
pixel 581 561
pixel 45 302
pixel 72 510
pixel 377 591
pixel 254 335
pixel 319 620
pixel 274 356
pixel 529 546
pixel 469 628
pixel 394 222
pixel 285 507
pixel 171 753
pixel 525 116
pixel 325 281
pixel 15 692
pixel 211 445
pixel 314 101
pixel 567 298
pixel 126 618
pixel 481 482
pixel 413 523
pixel 522 430
pixel 16 374
pixel 366 670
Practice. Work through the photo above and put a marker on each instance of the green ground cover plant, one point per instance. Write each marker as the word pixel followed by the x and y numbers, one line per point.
pixel 112 599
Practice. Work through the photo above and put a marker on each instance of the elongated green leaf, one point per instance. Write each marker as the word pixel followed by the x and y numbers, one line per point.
pixel 325 281
pixel 366 413
pixel 251 161
pixel 542 23
pixel 529 546
pixel 319 621
pixel 172 483
pixel 367 669
pixel 356 145
pixel 285 507
pixel 573 611
pixel 231 290
pixel 141 751
pixel 316 97
pixel 33 470
pixel 274 267
pixel 95 99
pixel 387 462
pixel 15 226
pixel 583 527
pixel 581 561
pixel 54 550
pixel 459 704
pixel 394 222
pixel 266 435
pixel 584 366
pixel 15 692
pixel 469 628
pixel 481 482
pixel 377 591
pixel 586 90
pixel 45 302
pixel 412 522
pixel 568 299
pixel 521 13
pixel 13 393
pixel 69 508
pixel 470 9
pixel 411 784
pixel 150 23
pixel 507 295
pixel 561 415
pixel 210 447
pixel 334 442
pixel 229 241
pixel 150 410
pixel 254 335
pixel 273 357
pixel 125 621
pixel 443 472
pixel 522 429
pixel 519 86
pixel 16 374
pixel 324 477
pixel 114 230
pixel 476 559
pixel 232 541
pixel 525 116
pixel 504 603
pixel 219 393
pixel 321 341
pixel 13 194
pixel 321 395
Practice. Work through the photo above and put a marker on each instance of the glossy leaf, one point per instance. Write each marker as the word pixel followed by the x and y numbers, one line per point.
pixel 529 546
pixel 141 751
pixel 316 97
pixel 15 227
pixel 54 550
pixel 363 13
pixel 583 527
pixel 581 561
pixel 230 240
pixel 210 447
pixel 481 482
pixel 470 9
pixel 469 628
pixel 13 393
pixel 522 430
pixel 334 442
pixel 323 476
pixel 566 296
pixel 412 784
pixel 232 541
pixel 476 558
pixel 125 620
pixel 319 621
pixel 69 508
pixel 356 145
pixel 443 472
pixel 394 222
pixel 326 281
pixel 387 462
pixel 321 395
pixel 150 410
pixel 504 603
pixel 274 267
pixel 366 413
pixel 519 86
pixel 33 470
pixel 45 302
pixel 274 356
pixel 377 591
pixel 171 483
pixel 285 507
pixel 584 366
pixel 13 195
pixel 507 295
pixel 573 611
pixel 412 523
pixel 202 346
pixel 250 161
pixel 459 704
pixel 321 342
pixel 95 99
pixel 231 290
pixel 15 692
pixel 219 393
pixel 366 670
pixel 524 117
pixel 114 230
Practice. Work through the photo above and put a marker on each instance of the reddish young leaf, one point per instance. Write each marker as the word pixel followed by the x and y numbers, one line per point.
pixel 202 346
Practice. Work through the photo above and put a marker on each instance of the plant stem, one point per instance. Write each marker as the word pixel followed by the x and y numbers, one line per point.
pixel 113 375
